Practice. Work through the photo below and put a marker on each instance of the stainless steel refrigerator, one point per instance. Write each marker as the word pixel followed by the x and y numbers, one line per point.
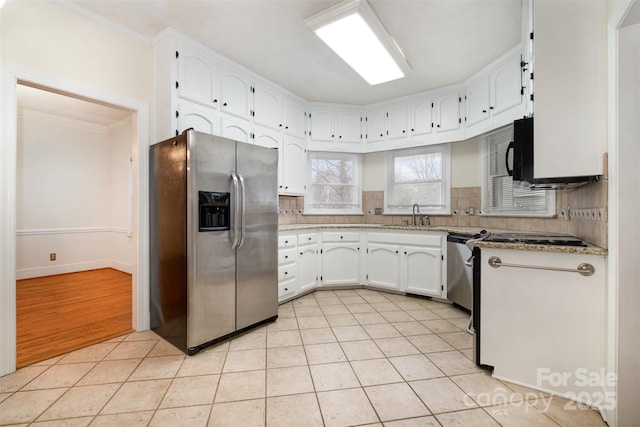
pixel 213 238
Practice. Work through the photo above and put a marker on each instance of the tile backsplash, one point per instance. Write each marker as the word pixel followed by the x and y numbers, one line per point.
pixel 581 212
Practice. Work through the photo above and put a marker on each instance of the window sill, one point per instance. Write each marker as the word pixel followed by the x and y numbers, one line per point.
pixel 332 213
pixel 517 215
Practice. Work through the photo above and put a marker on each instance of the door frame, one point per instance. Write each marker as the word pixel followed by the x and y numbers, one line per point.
pixel 11 76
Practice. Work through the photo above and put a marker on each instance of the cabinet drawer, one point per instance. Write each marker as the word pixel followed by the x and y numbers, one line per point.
pixel 420 238
pixel 341 236
pixel 286 289
pixel 286 256
pixel 287 241
pixel 307 238
pixel 286 272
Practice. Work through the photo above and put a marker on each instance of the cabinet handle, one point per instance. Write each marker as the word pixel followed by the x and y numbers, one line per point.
pixel 402 130
pixel 280 125
pixel 438 125
pixel 300 253
pixel 405 252
pixel 280 186
pixel 412 129
pixel 484 111
pixel 215 101
pixel 396 251
pixel 341 237
pixel 286 257
pixel 332 136
pixel 285 273
pixel 381 134
pixel 224 105
pixel 490 108
pixel 286 289
pixel 340 137
pixel 309 238
pixel 286 241
pixel 286 127
pixel 286 188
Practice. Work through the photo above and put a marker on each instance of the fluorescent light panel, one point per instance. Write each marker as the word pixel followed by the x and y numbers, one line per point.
pixel 352 30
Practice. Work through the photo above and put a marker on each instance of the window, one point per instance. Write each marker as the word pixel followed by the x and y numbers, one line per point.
pixel 500 195
pixel 419 175
pixel 334 184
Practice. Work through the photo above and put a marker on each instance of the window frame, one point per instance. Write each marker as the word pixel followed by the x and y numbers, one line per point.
pixel 390 156
pixel 487 195
pixel 310 207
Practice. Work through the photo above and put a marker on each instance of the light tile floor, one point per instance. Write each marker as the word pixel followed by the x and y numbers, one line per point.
pixel 333 358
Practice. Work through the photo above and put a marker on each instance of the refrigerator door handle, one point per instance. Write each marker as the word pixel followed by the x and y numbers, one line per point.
pixel 236 221
pixel 242 212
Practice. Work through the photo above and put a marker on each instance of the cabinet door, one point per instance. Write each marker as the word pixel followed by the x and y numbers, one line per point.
pixel 322 125
pixel 375 128
pixel 447 112
pixel 295 118
pixel 287 289
pixel 199 118
pixel 197 77
pixel 397 122
pixel 307 267
pixel 423 270
pixel 420 118
pixel 383 266
pixel 267 138
pixel 506 86
pixel 294 165
pixel 349 127
pixel 477 98
pixel 235 94
pixel 340 263
pixel 235 129
pixel 267 107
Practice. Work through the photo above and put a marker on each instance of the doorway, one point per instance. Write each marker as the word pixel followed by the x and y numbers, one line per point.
pixel 12 75
pixel 74 223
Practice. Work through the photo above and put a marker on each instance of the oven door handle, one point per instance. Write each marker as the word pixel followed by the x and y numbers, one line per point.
pixel 469 262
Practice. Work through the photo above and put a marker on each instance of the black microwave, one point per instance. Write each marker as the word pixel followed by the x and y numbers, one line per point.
pixel 521 167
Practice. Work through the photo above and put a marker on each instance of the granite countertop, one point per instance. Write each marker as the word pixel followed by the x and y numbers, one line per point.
pixel 465 231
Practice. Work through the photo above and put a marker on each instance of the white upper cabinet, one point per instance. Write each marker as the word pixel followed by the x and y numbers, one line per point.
pixel 238 130
pixel 294 165
pixel 322 125
pixel 569 88
pixel 397 122
pixel 335 129
pixel 197 76
pixel 494 98
pixel 194 116
pixel 266 138
pixel 349 127
pixel 447 120
pixel 420 118
pixel 236 93
pixel 295 117
pixel 478 101
pixel 375 129
pixel 267 106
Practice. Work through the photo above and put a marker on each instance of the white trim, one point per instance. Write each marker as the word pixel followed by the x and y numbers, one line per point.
pixel 54 119
pixel 75 230
pixel 11 74
pixel 28 273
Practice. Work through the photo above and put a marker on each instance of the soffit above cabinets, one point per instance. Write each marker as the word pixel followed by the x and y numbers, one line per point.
pixel 445 42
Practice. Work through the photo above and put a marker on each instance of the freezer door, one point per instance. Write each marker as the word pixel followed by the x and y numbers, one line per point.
pixel 211 284
pixel 257 255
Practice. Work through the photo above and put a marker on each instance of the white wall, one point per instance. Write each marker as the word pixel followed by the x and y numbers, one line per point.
pixel 71 176
pixel 465 166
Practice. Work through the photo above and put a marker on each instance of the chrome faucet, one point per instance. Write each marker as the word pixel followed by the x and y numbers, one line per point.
pixel 414 210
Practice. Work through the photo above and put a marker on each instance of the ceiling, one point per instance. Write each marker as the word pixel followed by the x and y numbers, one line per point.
pixel 444 41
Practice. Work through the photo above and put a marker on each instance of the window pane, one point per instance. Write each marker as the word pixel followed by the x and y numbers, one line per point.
pixel 333 195
pixel 331 171
pixel 425 194
pixel 422 167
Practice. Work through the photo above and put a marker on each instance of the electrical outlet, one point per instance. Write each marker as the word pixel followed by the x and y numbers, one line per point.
pixel 378 211
pixel 52 257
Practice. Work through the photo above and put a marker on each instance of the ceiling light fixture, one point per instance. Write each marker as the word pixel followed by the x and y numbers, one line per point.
pixel 353 31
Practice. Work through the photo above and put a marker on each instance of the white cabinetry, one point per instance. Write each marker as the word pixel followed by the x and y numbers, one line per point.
pixel 238 130
pixel 570 88
pixel 189 115
pixel 308 261
pixel 197 76
pixel 295 118
pixel 447 118
pixel 375 130
pixel 397 122
pixel 287 265
pixel 556 320
pixel 421 120
pixel 340 255
pixel 235 93
pixel 383 265
pixel 267 106
pixel 495 97
pixel 409 262
pixel 334 129
pixel 294 165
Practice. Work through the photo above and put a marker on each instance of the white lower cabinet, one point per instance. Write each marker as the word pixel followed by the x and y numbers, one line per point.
pixel 308 261
pixel 410 262
pixel 383 265
pixel 422 268
pixel 402 261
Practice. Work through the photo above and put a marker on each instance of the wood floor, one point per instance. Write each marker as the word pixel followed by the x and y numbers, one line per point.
pixel 58 314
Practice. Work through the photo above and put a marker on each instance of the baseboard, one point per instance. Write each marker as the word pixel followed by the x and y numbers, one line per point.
pixel 121 266
pixel 29 273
